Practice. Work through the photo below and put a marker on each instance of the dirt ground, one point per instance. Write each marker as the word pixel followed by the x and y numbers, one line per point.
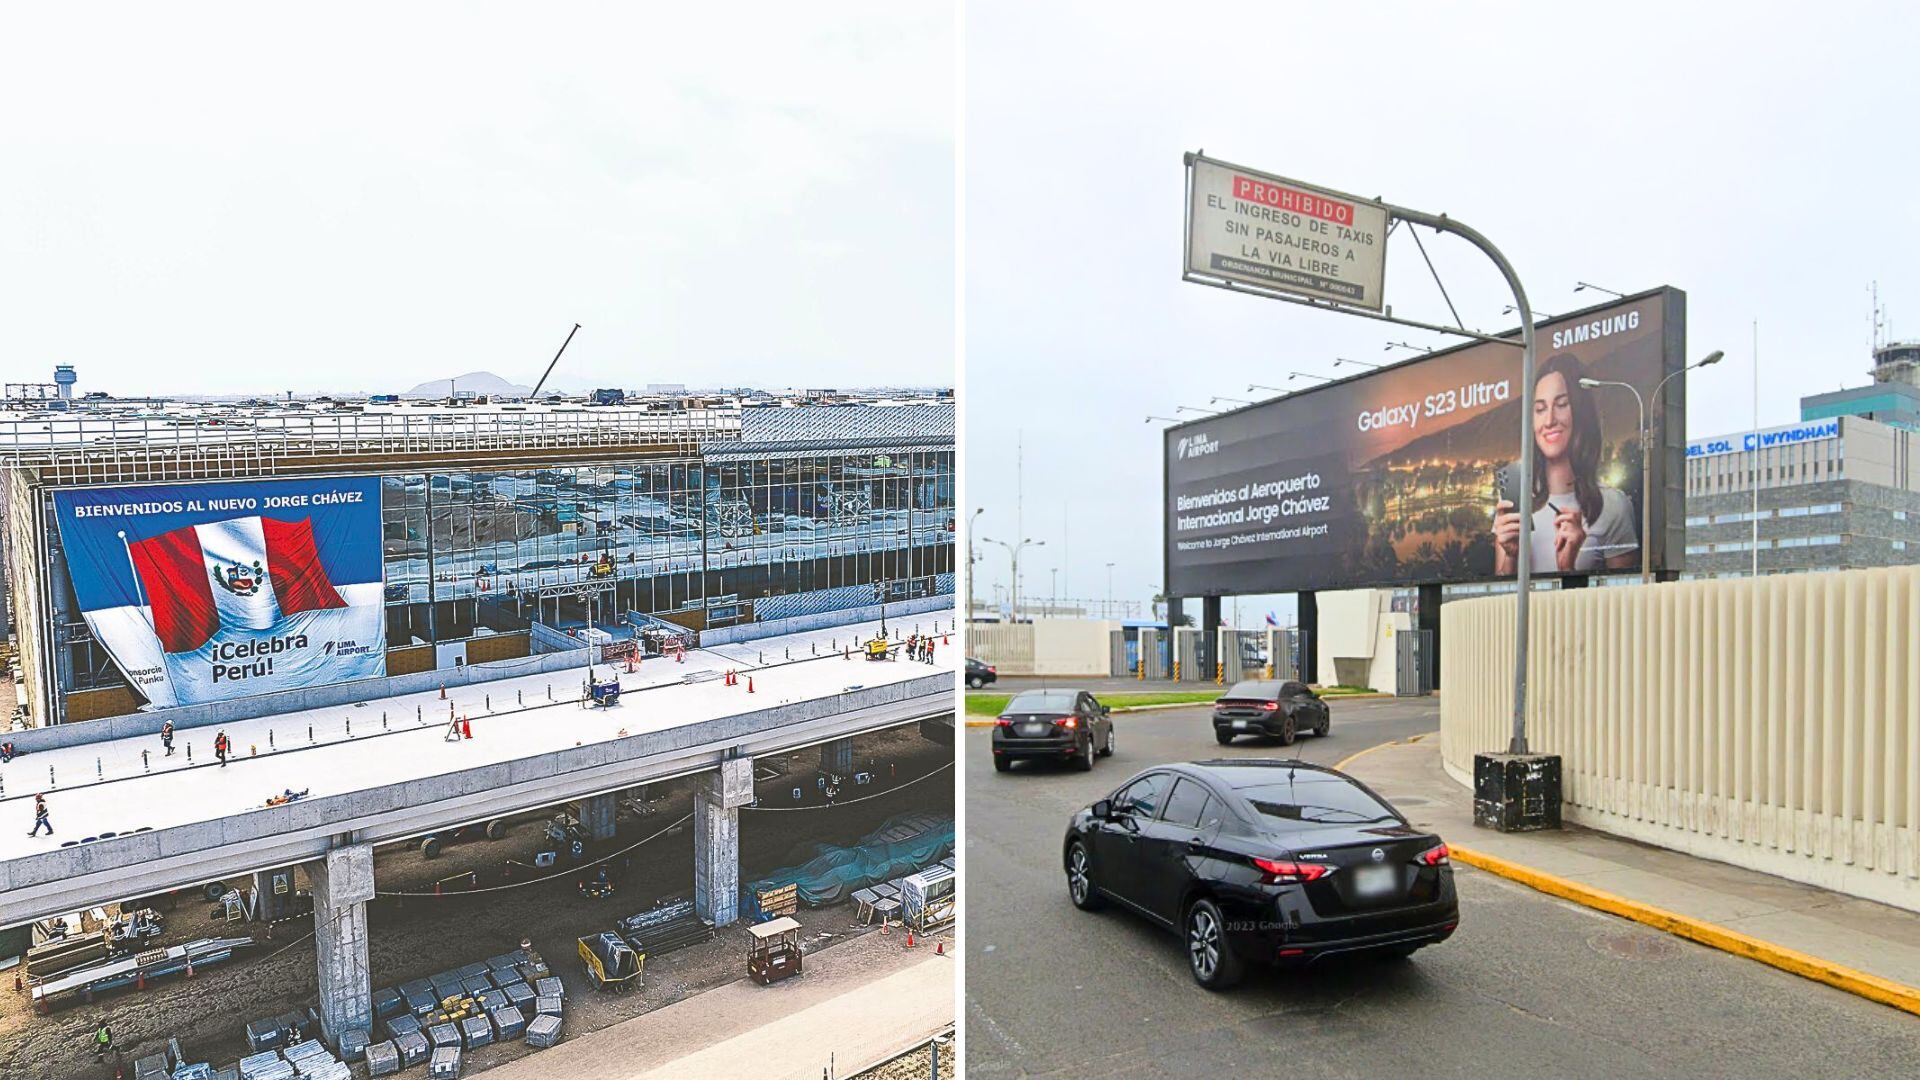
pixel 414 937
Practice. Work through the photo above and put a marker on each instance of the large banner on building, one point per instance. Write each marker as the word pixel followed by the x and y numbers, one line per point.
pixel 205 592
pixel 1408 475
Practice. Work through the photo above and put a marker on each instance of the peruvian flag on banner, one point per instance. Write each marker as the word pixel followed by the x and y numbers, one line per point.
pixel 244 572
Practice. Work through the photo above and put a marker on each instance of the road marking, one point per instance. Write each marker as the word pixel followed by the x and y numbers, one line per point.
pixel 1341 765
pixel 1871 987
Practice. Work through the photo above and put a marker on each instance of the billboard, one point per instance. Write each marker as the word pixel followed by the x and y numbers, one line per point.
pixel 211 591
pixel 1396 477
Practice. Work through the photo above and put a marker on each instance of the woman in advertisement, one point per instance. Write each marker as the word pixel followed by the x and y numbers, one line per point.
pixel 1579 524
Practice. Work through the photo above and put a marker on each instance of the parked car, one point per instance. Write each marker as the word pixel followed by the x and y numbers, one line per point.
pixel 1062 725
pixel 1270 862
pixel 1275 708
pixel 980 673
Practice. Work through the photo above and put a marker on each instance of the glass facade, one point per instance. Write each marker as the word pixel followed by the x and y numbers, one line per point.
pixel 714 542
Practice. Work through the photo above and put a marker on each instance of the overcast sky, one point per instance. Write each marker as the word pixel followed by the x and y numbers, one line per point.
pixel 243 198
pixel 1765 164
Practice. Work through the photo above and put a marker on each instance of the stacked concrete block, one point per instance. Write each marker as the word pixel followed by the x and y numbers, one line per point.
pixel 382 1059
pixel 544 1031
pixel 445 1064
pixel 508 1023
pixel 519 995
pixel 476 1031
pixel 412 1047
pixel 547 1005
pixel 443 1035
pixel 549 985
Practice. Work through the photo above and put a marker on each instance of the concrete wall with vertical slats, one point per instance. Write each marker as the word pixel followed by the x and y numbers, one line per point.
pixel 1771 723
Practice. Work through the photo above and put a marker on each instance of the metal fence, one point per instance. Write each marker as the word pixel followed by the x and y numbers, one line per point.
pixel 119 448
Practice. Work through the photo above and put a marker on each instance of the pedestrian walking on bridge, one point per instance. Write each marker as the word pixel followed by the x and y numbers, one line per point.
pixel 220 745
pixel 166 737
pixel 40 820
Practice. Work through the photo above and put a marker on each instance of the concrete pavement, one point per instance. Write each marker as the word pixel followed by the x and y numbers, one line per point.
pixel 856 1004
pixel 1859 934
pixel 1528 986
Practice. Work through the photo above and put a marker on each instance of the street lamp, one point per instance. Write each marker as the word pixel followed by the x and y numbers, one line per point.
pixel 1292 375
pixel 1163 419
pixel 971 560
pixel 1013 552
pixel 1646 453
pixel 1109 607
pixel 1251 387
pixel 1337 361
pixel 1235 400
pixel 1196 408
pixel 1511 310
pixel 1579 286
pixel 1403 345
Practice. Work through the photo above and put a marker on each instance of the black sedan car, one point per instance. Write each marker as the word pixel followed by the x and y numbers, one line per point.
pixel 1259 861
pixel 1060 725
pixel 980 673
pixel 1275 708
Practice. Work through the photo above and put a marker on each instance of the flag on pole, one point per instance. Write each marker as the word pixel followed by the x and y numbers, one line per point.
pixel 1271 621
pixel 248 572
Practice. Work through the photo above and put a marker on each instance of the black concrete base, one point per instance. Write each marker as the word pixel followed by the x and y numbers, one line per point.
pixel 1516 792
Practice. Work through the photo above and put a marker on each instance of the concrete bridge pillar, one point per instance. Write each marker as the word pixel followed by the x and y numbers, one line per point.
pixel 837 757
pixel 342 885
pixel 716 841
pixel 596 815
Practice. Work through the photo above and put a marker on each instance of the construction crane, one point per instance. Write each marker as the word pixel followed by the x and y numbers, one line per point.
pixel 556 359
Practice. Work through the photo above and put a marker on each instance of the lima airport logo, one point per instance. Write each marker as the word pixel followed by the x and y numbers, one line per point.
pixel 1193 446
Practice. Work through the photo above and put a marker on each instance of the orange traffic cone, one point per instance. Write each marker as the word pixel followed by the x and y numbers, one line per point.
pixel 909 939
pixel 939 948
pixel 749 684
pixel 443 691
pixel 466 729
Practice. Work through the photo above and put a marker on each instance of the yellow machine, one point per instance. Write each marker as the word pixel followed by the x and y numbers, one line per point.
pixel 879 649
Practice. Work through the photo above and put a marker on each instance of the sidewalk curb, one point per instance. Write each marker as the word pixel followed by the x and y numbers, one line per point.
pixel 1871 987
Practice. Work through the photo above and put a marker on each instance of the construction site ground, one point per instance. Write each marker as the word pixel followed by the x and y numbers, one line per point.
pixel 417 936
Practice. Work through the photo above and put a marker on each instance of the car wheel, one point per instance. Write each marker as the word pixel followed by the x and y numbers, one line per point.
pixel 1222 736
pixel 1213 964
pixel 1326 724
pixel 1287 733
pixel 975 682
pixel 1108 750
pixel 1084 761
pixel 1080 879
pixel 1001 764
pixel 430 847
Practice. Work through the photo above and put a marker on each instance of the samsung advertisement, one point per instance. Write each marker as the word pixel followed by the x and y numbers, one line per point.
pixel 1408 475
pixel 206 592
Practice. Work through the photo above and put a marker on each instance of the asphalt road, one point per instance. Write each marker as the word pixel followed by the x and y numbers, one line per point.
pixel 1528 986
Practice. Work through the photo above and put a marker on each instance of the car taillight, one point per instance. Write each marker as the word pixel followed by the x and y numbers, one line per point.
pixel 991 670
pixel 1276 872
pixel 1070 722
pixel 1004 721
pixel 1433 856
pixel 1270 705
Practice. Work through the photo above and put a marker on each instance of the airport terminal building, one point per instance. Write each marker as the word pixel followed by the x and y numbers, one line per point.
pixel 194 554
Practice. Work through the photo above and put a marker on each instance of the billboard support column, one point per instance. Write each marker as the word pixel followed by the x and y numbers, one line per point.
pixel 1209 647
pixel 1309 608
pixel 1429 624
